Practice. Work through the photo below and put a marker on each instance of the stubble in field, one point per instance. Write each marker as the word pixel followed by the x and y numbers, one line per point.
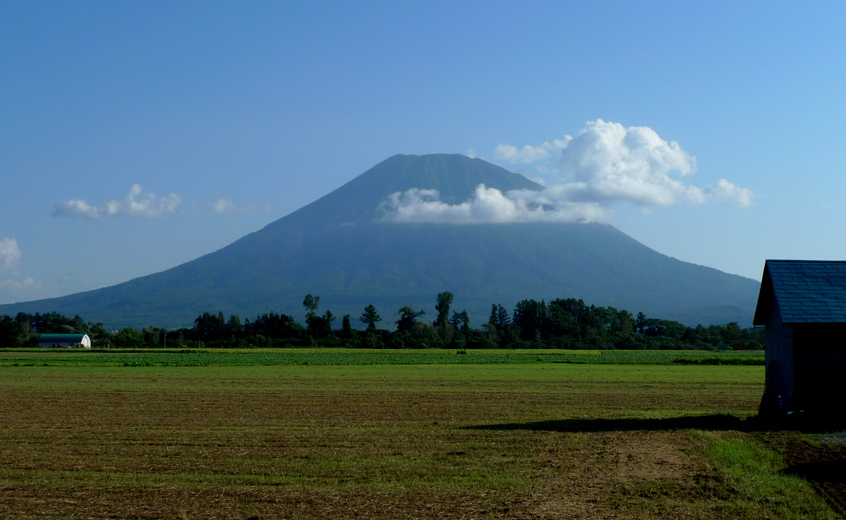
pixel 544 441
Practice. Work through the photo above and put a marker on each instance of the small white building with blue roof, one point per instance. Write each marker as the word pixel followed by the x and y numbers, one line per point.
pixel 64 341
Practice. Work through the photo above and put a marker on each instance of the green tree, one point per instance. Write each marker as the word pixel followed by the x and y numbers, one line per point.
pixel 321 325
pixel 208 327
pixel 275 326
pixel 527 316
pixel 129 337
pixel 315 323
pixel 370 317
pixel 502 318
pixel 641 322
pixel 408 317
pixel 624 322
pixel 346 328
pixel 153 336
pixel 10 332
pixel 460 321
pixel 234 326
pixel 444 300
pixel 499 316
pixel 310 303
pixel 79 325
pixel 100 337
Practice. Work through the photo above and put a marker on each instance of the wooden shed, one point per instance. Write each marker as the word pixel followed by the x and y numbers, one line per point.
pixel 64 340
pixel 802 304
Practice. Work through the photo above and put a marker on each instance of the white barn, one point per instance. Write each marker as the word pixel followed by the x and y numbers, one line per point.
pixel 64 341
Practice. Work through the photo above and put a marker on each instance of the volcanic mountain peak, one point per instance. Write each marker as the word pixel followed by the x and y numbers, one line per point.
pixel 454 176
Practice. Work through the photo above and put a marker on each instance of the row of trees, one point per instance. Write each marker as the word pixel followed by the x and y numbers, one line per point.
pixel 561 323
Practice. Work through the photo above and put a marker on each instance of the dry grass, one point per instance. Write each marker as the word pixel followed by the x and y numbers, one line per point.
pixel 410 442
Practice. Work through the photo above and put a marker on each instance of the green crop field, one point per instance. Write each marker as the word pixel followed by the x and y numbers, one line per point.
pixel 391 434
pixel 322 356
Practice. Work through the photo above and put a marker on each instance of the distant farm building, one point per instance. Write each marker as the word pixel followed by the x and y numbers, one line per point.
pixel 64 341
pixel 802 304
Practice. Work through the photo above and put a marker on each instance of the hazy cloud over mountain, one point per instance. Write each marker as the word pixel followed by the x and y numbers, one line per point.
pixel 136 203
pixel 489 205
pixel 605 163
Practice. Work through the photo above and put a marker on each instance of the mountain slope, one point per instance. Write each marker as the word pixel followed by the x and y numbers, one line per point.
pixel 337 248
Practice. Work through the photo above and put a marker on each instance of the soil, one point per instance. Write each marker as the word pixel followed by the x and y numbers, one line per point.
pixel 824 466
pixel 223 445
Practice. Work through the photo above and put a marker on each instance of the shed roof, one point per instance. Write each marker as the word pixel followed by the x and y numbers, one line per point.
pixel 806 291
pixel 61 338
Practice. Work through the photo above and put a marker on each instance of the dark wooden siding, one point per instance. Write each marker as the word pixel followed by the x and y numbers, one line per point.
pixel 819 367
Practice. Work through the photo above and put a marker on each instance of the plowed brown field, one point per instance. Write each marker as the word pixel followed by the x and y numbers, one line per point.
pixel 264 442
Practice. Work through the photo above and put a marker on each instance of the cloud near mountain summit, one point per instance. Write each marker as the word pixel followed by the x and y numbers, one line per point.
pixel 605 163
pixel 488 205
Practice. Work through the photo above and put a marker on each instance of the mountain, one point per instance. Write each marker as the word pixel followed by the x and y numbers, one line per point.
pixel 339 249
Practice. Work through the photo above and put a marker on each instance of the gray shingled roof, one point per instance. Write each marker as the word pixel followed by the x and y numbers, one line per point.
pixel 806 291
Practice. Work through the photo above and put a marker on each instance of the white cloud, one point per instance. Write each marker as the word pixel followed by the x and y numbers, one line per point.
pixel 11 283
pixel 724 191
pixel 488 205
pixel 530 154
pixel 470 153
pixel 10 253
pixel 223 205
pixel 611 163
pixel 227 206
pixel 136 203
pixel 15 285
pixel 607 163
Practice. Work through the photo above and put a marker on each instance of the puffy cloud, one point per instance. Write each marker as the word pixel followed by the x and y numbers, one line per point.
pixel 726 192
pixel 488 205
pixel 10 253
pixel 530 154
pixel 607 162
pixel 136 203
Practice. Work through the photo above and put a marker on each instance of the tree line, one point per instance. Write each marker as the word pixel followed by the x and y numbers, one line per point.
pixel 559 324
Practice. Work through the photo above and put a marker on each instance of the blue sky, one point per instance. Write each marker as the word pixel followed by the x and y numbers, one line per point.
pixel 215 119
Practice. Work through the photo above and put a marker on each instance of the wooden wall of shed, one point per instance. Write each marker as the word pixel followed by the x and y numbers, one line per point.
pixel 819 369
pixel 779 358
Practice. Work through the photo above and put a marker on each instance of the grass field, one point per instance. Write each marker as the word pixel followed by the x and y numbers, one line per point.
pixel 421 434
pixel 322 356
